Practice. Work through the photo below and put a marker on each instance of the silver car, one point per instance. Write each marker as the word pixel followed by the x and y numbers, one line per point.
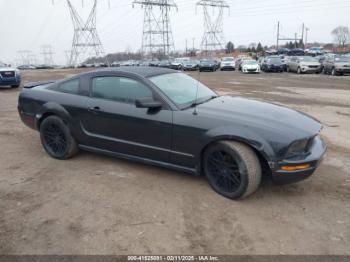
pixel 303 64
pixel 336 65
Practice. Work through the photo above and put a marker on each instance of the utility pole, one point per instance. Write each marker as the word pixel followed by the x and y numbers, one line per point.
pixel 278 35
pixel 157 34
pixel 279 38
pixel 186 47
pixel 306 35
pixel 47 52
pixel 86 42
pixel 302 33
pixel 213 38
pixel 193 39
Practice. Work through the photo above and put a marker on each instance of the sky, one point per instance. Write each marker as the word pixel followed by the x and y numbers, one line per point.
pixel 30 24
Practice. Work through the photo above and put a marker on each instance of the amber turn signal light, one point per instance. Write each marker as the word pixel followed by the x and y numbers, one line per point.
pixel 295 168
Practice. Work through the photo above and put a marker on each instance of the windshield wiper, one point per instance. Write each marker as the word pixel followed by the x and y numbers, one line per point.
pixel 198 102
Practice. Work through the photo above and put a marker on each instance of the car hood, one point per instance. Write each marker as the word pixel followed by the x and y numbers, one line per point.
pixel 251 66
pixel 269 119
pixel 310 63
pixel 342 64
pixel 4 69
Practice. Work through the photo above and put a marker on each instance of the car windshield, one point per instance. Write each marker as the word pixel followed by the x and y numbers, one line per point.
pixel 307 59
pixel 342 59
pixel 2 65
pixel 227 59
pixel 274 60
pixel 250 62
pixel 182 89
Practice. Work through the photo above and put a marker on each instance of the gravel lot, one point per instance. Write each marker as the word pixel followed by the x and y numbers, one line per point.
pixel 95 204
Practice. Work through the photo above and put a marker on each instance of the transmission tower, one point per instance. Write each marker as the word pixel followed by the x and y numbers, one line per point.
pixel 213 38
pixel 25 56
pixel 47 53
pixel 157 34
pixel 86 42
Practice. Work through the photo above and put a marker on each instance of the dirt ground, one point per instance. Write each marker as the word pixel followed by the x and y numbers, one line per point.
pixel 95 204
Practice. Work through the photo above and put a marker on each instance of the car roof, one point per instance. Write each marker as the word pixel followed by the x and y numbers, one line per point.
pixel 136 70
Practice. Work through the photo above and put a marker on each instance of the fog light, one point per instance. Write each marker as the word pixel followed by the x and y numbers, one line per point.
pixel 295 168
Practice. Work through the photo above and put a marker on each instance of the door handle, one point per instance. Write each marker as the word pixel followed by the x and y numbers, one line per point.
pixel 94 109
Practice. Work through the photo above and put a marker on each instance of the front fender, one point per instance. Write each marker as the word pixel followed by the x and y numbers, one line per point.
pixel 242 134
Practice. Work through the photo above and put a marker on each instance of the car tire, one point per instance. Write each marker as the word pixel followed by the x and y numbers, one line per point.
pixel 298 71
pixel 232 169
pixel 333 72
pixel 15 86
pixel 57 139
pixel 288 69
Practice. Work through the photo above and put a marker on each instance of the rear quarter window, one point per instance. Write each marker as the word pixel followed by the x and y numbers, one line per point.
pixel 70 87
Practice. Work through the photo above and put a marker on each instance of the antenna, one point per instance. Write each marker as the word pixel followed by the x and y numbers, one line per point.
pixel 197 90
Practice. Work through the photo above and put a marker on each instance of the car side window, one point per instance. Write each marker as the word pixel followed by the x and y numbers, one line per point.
pixel 71 86
pixel 120 89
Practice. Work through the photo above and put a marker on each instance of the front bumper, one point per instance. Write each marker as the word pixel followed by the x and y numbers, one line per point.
pixel 228 67
pixel 190 68
pixel 310 69
pixel 314 158
pixel 274 69
pixel 207 68
pixel 250 70
pixel 10 81
pixel 344 70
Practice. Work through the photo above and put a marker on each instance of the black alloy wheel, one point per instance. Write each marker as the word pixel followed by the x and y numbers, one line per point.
pixel 57 139
pixel 232 169
pixel 224 170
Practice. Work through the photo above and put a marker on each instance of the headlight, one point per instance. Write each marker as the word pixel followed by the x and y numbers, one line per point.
pixel 297 147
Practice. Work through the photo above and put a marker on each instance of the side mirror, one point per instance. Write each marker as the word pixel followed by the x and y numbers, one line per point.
pixel 147 102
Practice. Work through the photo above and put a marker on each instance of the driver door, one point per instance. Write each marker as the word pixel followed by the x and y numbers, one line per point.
pixel 114 123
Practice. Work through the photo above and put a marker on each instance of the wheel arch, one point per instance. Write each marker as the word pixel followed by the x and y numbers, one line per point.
pixel 262 150
pixel 52 109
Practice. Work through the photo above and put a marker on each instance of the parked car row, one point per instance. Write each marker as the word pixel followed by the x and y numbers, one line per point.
pixel 328 64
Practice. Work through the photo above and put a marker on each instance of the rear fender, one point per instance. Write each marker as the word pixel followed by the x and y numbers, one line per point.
pixel 52 108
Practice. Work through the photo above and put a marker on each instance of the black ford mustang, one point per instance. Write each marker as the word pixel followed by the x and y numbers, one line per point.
pixel 164 117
